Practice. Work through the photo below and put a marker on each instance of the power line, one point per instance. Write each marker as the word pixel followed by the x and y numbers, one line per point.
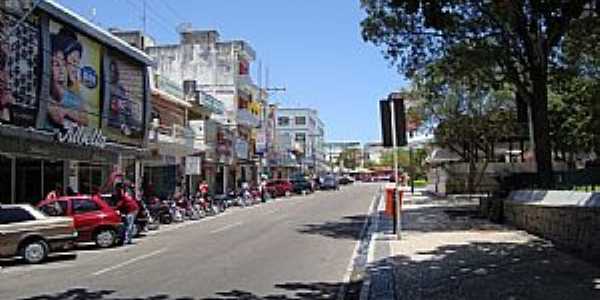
pixel 173 11
pixel 159 20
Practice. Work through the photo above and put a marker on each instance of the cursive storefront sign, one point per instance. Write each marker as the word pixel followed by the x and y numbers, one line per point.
pixel 84 136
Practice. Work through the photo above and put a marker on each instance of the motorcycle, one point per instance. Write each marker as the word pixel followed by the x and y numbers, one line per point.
pixel 160 210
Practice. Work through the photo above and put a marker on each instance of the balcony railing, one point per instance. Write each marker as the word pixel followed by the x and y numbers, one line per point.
pixel 175 134
pixel 213 104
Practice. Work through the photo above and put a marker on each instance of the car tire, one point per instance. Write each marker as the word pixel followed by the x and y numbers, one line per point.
pixel 105 238
pixel 34 251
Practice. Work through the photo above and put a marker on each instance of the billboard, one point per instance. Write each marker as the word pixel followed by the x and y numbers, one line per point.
pixel 19 69
pixel 74 80
pixel 124 112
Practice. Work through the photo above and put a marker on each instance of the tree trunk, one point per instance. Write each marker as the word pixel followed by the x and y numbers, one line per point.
pixel 539 115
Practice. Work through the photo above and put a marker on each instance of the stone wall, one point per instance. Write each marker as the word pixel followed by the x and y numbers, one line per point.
pixel 574 228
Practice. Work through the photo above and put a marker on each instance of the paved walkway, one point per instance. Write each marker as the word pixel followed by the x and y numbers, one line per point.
pixel 448 252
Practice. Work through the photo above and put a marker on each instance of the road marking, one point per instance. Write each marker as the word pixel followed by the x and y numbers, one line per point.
pixel 125 263
pixel 226 227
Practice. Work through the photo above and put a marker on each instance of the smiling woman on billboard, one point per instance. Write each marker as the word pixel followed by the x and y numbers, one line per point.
pixel 74 91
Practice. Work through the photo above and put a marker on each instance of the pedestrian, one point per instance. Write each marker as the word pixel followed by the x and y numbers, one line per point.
pixel 263 189
pixel 129 208
pixel 55 193
pixel 203 190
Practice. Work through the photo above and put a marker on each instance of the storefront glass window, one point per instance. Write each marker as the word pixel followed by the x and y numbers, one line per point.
pixel 91 176
pixel 53 175
pixel 29 181
pixel 5 180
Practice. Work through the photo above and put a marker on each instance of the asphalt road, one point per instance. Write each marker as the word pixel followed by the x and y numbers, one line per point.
pixel 295 248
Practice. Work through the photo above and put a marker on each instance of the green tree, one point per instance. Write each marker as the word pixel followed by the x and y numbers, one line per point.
pixel 350 158
pixel 510 41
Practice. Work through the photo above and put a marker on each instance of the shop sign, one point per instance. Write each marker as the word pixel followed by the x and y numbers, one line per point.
pixel 241 149
pixel 85 136
pixel 193 165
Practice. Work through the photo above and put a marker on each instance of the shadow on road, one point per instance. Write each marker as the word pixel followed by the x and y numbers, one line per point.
pixel 290 291
pixel 349 227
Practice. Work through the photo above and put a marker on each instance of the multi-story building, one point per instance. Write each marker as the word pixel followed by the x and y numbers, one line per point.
pixel 69 125
pixel 183 137
pixel 209 67
pixel 373 152
pixel 306 130
pixel 335 149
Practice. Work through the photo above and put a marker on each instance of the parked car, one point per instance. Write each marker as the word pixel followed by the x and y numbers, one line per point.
pixel 279 188
pixel 301 185
pixel 30 234
pixel 329 182
pixel 344 180
pixel 94 219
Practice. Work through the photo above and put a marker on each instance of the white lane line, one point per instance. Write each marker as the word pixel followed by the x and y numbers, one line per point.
pixel 125 263
pixel 226 227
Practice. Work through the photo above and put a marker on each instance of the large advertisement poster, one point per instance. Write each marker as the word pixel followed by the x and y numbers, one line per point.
pixel 74 80
pixel 19 61
pixel 124 110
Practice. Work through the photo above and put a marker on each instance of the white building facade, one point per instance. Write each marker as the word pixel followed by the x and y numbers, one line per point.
pixel 305 132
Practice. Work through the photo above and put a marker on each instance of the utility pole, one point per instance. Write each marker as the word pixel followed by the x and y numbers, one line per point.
pixel 396 177
pixel 144 17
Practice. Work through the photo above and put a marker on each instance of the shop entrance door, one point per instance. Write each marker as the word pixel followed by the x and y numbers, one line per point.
pixel 5 179
pixel 29 180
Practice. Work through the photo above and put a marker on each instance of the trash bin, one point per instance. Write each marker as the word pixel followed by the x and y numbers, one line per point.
pixel 390 203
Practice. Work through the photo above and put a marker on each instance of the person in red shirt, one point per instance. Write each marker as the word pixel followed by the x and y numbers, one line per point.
pixel 129 208
pixel 55 193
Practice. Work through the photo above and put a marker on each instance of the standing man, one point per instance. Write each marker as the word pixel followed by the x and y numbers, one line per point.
pixel 128 208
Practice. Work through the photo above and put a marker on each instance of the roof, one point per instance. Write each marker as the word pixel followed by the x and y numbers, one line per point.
pixel 65 15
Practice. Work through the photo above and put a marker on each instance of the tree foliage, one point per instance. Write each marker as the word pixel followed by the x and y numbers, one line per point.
pixel 350 158
pixel 509 41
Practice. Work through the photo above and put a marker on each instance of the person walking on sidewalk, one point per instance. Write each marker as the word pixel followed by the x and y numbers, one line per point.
pixel 128 208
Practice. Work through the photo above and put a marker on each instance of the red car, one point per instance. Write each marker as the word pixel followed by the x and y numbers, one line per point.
pixel 94 219
pixel 279 187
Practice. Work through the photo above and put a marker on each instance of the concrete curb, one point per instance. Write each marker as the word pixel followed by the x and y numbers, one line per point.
pixel 366 286
pixel 361 249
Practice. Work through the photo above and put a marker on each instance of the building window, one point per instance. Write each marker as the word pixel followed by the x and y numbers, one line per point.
pixel 300 137
pixel 301 120
pixel 283 121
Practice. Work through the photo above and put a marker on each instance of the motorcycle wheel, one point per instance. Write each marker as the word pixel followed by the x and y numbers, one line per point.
pixel 166 219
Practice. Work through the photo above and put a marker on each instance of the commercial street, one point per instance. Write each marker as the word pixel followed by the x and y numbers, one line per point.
pixel 295 248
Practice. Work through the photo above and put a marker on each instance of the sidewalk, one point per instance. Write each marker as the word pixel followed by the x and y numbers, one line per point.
pixel 448 252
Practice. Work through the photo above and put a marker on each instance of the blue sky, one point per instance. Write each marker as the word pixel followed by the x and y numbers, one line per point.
pixel 311 47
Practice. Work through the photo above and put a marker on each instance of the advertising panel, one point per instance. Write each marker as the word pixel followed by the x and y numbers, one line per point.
pixel 241 149
pixel 19 71
pixel 74 80
pixel 124 111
